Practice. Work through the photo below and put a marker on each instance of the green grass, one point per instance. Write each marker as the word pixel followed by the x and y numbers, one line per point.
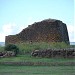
pixel 28 60
pixel 37 70
pixel 28 47
pixel 23 58
pixel 1 48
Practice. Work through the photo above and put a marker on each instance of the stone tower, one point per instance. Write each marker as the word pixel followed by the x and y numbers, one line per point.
pixel 49 30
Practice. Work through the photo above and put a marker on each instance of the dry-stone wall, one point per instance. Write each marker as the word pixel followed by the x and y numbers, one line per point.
pixel 68 52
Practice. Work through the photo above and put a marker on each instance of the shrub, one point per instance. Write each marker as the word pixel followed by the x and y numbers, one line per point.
pixel 12 47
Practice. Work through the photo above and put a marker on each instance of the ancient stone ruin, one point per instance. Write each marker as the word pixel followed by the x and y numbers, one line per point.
pixel 68 52
pixel 49 30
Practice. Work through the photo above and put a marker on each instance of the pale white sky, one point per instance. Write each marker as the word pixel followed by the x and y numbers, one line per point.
pixel 16 15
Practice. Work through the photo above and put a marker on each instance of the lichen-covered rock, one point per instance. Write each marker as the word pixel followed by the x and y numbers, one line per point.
pixel 7 54
pixel 49 30
pixel 73 54
pixel 54 53
pixel 35 53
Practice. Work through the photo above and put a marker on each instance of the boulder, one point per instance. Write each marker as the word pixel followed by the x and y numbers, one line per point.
pixel 35 53
pixel 7 54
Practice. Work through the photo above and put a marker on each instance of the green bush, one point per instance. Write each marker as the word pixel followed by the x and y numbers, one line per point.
pixel 12 47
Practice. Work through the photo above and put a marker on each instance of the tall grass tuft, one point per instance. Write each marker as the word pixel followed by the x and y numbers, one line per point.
pixel 29 47
pixel 1 48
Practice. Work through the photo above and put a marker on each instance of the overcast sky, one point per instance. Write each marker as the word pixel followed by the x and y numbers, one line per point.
pixel 16 15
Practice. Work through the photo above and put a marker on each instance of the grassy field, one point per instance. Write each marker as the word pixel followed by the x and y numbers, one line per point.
pixel 37 70
pixel 24 58
pixel 19 65
pixel 28 60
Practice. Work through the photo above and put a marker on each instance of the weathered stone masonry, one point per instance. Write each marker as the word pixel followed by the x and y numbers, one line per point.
pixel 49 30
